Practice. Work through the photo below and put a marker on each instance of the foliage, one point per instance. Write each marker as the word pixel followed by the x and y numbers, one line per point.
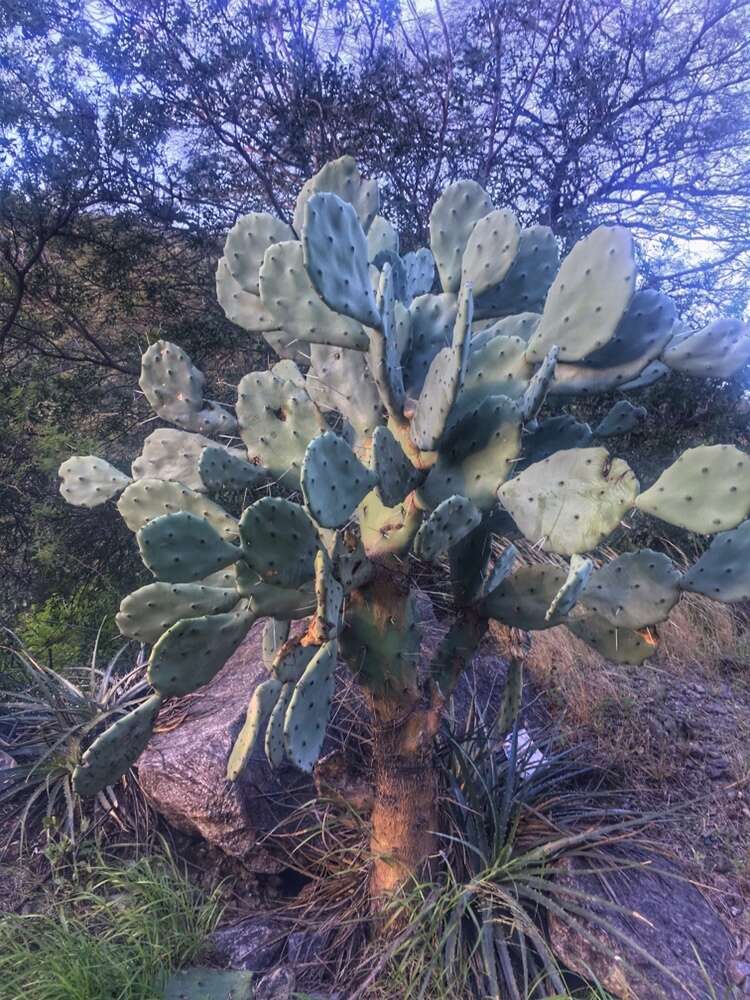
pixel 61 630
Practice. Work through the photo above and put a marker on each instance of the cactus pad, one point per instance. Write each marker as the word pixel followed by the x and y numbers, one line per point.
pixel 585 380
pixel 432 320
pixel 642 333
pixel 634 590
pixel 497 367
pixel 329 595
pixel 381 236
pixel 285 603
pixel 384 358
pixel 387 530
pixel 568 595
pixel 527 282
pixel 274 743
pixel 291 660
pixel 307 715
pixel 194 650
pixel 523 599
pixel 112 754
pixel 706 490
pixel 621 419
pixel 148 612
pixel 521 325
pixel 209 984
pixel 492 247
pixel 258 713
pixel 503 567
pixel 182 548
pixel 277 422
pixel 451 521
pixel 334 481
pixel 246 244
pixel 275 634
pixel 555 434
pixel 146 499
pixel 88 481
pixel 174 456
pixel 395 476
pixel 651 373
pixel 572 500
pixel 243 308
pixel 220 469
pixel 452 220
pixel 174 389
pixel 589 296
pixel 340 381
pixel 279 542
pixel 536 391
pixel 621 645
pixel 342 177
pixel 723 571
pixel 335 254
pixel 351 567
pixel 719 350
pixel 420 272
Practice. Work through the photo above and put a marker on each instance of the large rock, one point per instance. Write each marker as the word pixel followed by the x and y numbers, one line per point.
pixel 677 923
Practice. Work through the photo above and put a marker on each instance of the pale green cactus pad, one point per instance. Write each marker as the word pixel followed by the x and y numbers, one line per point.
pixel 288 371
pixel 420 272
pixel 522 599
pixel 498 367
pixel 220 469
pixel 469 564
pixel 209 984
pixel 274 742
pixel 571 501
pixel 351 567
pixel 525 286
pixel 585 380
pixel 641 334
pixel 384 358
pixel 395 476
pixel 174 388
pixel 148 612
pixel 112 754
pixel 279 542
pixel 340 381
pixel 307 716
pixel 341 177
pixel 288 292
pixel 453 216
pixel 243 308
pixel 398 275
pixel 432 320
pixel 492 247
pixel 88 481
pixel 621 419
pixel 146 499
pixel 536 391
pixel 387 530
pixel 285 603
pixel 334 481
pixel 329 596
pixel 568 595
pixel 621 645
pixel 335 254
pixel 183 548
pixel 652 373
pixel 246 245
pixel 723 571
pixel 173 455
pixel 589 296
pixel 258 713
pixel 381 236
pixel 277 422
pixel 555 434
pixel 451 521
pixel 193 651
pixel 275 634
pixel 719 350
pixel 291 661
pixel 706 490
pixel 634 590
pixel 502 568
pixel 521 325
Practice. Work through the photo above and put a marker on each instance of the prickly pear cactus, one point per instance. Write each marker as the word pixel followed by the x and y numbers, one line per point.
pixel 415 428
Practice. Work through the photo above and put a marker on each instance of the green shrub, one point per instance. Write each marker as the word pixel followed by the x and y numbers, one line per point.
pixel 61 630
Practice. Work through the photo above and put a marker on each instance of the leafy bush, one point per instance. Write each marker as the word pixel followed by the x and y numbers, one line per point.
pixel 62 629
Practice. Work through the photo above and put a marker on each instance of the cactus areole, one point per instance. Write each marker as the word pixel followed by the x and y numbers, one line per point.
pixel 406 414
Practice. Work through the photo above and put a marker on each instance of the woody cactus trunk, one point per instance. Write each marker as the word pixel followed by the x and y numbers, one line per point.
pixel 402 427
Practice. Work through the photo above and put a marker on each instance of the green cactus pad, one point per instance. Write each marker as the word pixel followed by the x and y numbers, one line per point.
pixel 274 743
pixel 503 566
pixel 420 272
pixel 634 590
pixel 223 578
pixel 589 296
pixel 258 713
pixel 387 530
pixel 174 389
pixel 288 371
pixel 243 308
pixel 277 422
pixel 291 660
pixel 286 603
pixel 571 501
pixel 279 542
pixel 209 984
pixel 329 595
pixel 146 499
pixel 643 331
pixel 569 594
pixel 381 236
pixel 219 469
pixel 384 358
pixel 492 247
pixel 455 652
pixel 335 254
pixel 88 481
pixel 432 320
pixel 706 490
pixel 342 177
pixel 307 716
pixel 334 481
pixel 523 599
pixel 451 521
pixel 246 244
pixel 148 612
pixel 476 456
pixel 651 373
pixel 275 634
pixel 719 350
pixel 395 476
pixel 452 220
pixel 182 548
pixel 194 650
pixel 469 563
pixel 585 380
pixel 521 325
pixel 621 419
pixel 351 567
pixel 525 286
pixel 536 391
pixel 555 434
pixel 288 292
pixel 340 381
pixel 112 754
pixel 620 645
pixel 174 456
pixel 398 274
pixel 496 368
pixel 723 571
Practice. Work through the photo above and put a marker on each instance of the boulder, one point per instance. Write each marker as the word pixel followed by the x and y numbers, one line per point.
pixel 277 985
pixel 677 923
pixel 254 944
